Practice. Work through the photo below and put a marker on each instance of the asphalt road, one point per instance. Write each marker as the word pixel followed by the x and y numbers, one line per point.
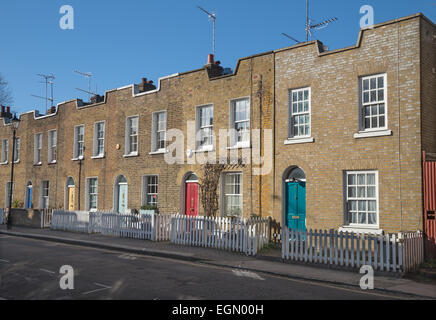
pixel 29 269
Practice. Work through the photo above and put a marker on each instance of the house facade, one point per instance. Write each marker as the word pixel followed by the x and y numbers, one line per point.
pixel 329 139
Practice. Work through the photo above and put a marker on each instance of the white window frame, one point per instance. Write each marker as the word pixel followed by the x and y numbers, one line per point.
pixel 52 147
pixel 37 157
pixel 347 219
pixel 97 139
pixel 44 198
pixel 145 193
pixel 17 149
pixel 292 114
pixel 77 142
pixel 156 131
pixel 5 151
pixel 199 128
pixel 363 104
pixel 129 136
pixel 234 134
pixel 88 194
pixel 225 195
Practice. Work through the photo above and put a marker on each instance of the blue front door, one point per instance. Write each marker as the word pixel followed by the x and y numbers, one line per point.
pixel 296 205
pixel 29 198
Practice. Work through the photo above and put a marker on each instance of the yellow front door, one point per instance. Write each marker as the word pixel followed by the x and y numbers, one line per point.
pixel 71 194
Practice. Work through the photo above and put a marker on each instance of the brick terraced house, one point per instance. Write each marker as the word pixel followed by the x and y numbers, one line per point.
pixel 345 131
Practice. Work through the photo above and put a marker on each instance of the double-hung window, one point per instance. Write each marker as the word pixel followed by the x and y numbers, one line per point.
pixel 79 141
pixel 233 194
pixel 373 103
pixel 205 127
pixel 38 149
pixel 52 146
pixel 132 136
pixel 150 187
pixel 17 150
pixel 240 122
pixel 45 190
pixel 362 198
pixel 159 131
pixel 5 147
pixel 99 130
pixel 92 193
pixel 299 113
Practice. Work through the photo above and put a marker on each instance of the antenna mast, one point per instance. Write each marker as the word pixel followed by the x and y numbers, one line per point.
pixel 310 26
pixel 48 79
pixel 87 75
pixel 213 17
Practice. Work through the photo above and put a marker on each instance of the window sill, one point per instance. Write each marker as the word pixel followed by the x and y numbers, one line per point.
pixel 372 134
pixel 365 230
pixel 37 164
pixel 240 146
pixel 299 140
pixel 77 159
pixel 53 162
pixel 97 157
pixel 4 163
pixel 18 161
pixel 206 149
pixel 162 151
pixel 131 155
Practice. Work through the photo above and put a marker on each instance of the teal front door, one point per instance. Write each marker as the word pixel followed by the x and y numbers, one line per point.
pixel 296 205
pixel 122 198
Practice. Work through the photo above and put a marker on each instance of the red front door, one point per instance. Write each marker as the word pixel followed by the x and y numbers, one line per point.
pixel 191 199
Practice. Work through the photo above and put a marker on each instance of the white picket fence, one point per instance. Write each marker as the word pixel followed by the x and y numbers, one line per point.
pixel 395 253
pixel 146 227
pixel 242 235
pixel 46 215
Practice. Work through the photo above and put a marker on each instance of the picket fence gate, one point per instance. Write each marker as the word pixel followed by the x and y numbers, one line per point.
pixel 147 227
pixel 234 234
pixel 395 253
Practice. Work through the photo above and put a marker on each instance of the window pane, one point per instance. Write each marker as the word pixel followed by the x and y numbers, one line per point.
pixel 352 179
pixel 381 82
pixel 365 97
pixel 373 96
pixel 371 192
pixel 366 84
pixel 372 218
pixel 381 121
pixel 352 192
pixel 373 83
pixel 362 218
pixel 362 206
pixel 361 179
pixel 372 206
pixel 381 96
pixel 371 179
pixel 361 192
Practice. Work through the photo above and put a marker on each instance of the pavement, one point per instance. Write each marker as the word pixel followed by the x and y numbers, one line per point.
pixel 268 263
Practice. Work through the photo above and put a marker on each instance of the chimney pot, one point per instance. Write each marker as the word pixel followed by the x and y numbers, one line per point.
pixel 8 109
pixel 210 59
pixel 144 80
pixel 3 110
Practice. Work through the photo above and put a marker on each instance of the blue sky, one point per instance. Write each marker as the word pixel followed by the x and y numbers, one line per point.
pixel 122 41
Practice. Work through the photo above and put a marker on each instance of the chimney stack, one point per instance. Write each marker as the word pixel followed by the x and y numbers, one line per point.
pixel 210 59
pixel 3 111
pixel 8 110
pixel 146 85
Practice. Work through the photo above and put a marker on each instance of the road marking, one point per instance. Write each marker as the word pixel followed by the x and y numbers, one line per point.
pixel 48 271
pixel 4 260
pixel 100 285
pixel 4 237
pixel 247 274
pixel 127 257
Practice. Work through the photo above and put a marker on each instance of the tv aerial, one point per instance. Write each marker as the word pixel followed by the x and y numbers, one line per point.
pixel 48 80
pixel 87 75
pixel 310 26
pixel 211 16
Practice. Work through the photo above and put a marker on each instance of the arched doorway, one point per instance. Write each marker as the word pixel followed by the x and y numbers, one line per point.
pixel 29 191
pixel 190 187
pixel 120 194
pixel 295 199
pixel 70 190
